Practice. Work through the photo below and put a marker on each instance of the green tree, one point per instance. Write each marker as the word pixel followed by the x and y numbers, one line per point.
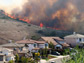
pixel 77 57
pixel 37 57
pixel 25 60
pixel 46 50
pixel 53 33
pixel 36 37
pixel 22 60
pixel 11 61
pixel 17 58
pixel 51 45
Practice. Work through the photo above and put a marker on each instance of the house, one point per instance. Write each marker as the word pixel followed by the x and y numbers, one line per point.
pixel 17 48
pixel 12 45
pixel 34 46
pixel 23 53
pixel 56 41
pixel 6 54
pixel 75 39
pixel 2 58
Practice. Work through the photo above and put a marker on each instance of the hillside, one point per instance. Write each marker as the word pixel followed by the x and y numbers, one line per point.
pixel 14 30
pixel 11 29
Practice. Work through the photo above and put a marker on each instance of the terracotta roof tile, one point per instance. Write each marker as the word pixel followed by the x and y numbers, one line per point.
pixel 12 45
pixel 30 42
pixel 65 45
pixel 50 39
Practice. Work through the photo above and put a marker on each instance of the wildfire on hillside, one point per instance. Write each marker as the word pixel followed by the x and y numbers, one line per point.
pixel 14 17
pixel 56 14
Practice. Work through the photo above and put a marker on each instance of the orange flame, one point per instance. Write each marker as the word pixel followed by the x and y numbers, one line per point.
pixel 41 25
pixel 13 17
pixel 28 21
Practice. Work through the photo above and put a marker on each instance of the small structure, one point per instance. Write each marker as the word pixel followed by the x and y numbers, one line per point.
pixel 57 42
pixel 6 54
pixel 12 45
pixel 23 52
pixel 75 39
pixel 17 48
pixel 33 46
pixel 2 57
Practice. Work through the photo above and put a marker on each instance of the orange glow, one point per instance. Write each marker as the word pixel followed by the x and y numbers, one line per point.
pixel 25 19
pixel 13 17
pixel 41 25
pixel 28 21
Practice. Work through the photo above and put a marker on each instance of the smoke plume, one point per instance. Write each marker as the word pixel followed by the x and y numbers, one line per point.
pixel 59 14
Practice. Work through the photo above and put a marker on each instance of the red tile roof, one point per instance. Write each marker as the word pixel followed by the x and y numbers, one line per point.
pixel 65 45
pixel 30 42
pixel 57 38
pixel 51 39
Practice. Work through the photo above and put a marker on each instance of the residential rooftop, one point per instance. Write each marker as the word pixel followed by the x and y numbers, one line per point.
pixel 10 45
pixel 30 42
pixel 75 36
pixel 52 39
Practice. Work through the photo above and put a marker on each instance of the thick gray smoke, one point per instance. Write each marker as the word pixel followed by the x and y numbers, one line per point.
pixel 60 14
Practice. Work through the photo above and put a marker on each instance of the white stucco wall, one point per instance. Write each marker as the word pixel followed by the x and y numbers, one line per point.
pixel 31 46
pixel 41 45
pixel 6 52
pixel 7 57
pixel 74 41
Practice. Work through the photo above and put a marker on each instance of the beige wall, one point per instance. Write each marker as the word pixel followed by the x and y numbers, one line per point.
pixel 72 41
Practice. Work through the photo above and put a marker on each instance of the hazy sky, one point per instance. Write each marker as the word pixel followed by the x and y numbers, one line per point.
pixel 8 5
pixel 7 2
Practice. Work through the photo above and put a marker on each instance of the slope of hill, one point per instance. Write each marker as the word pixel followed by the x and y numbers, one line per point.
pixel 11 29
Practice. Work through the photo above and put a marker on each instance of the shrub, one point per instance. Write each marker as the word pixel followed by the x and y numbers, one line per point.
pixel 51 45
pixel 40 31
pixel 11 61
pixel 24 60
pixel 37 57
pixel 29 24
pixel 35 37
pixel 17 58
pixel 77 57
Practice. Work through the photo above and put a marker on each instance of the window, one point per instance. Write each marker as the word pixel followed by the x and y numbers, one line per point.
pixel 14 49
pixel 21 48
pixel 80 39
pixel 0 51
pixel 34 45
pixel 46 45
pixel 61 42
pixel 26 45
pixel 1 58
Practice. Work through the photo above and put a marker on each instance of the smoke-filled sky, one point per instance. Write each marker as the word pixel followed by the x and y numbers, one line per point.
pixel 9 5
pixel 60 14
